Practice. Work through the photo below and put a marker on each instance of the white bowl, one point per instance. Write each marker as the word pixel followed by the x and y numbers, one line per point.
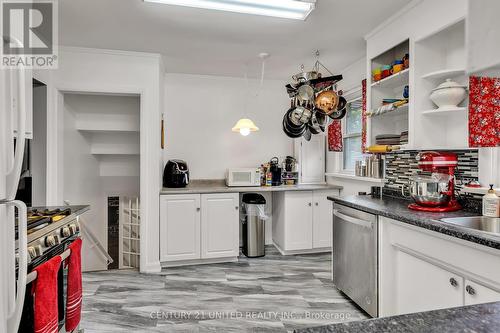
pixel 448 95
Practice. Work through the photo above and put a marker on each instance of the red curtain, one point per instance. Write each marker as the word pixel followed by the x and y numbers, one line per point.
pixel 484 112
pixel 335 136
pixel 363 117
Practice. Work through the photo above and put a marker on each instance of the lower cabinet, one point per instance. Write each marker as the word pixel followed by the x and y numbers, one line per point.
pixel 302 221
pixel 477 294
pixel 421 270
pixel 199 226
pixel 422 286
pixel 180 236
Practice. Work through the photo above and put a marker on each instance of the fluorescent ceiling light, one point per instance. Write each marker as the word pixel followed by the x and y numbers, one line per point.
pixel 290 9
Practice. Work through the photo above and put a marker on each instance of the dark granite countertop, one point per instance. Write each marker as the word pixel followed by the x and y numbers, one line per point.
pixel 397 209
pixel 482 318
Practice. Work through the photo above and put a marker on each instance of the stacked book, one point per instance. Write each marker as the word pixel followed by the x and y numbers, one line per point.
pixel 388 139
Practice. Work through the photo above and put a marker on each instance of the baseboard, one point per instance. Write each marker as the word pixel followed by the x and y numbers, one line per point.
pixel 305 251
pixel 152 267
pixel 180 263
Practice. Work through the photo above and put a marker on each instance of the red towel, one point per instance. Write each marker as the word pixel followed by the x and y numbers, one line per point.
pixel 45 287
pixel 74 290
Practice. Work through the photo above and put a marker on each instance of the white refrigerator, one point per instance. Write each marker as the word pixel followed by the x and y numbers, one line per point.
pixel 12 115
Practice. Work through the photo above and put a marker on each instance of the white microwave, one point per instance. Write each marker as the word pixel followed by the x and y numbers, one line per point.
pixel 243 177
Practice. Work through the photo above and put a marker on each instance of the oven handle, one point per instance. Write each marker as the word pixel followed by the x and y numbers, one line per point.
pixel 14 316
pixel 353 220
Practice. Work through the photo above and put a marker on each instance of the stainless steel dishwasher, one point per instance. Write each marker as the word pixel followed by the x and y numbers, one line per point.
pixel 355 256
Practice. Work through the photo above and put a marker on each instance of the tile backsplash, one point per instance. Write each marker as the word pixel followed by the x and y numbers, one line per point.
pixel 400 166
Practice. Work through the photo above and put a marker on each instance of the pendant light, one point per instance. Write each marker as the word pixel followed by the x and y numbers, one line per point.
pixel 245 125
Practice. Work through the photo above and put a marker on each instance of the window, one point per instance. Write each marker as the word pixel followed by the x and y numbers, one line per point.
pixel 351 134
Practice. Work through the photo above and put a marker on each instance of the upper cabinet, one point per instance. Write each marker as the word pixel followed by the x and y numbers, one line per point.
pixel 483 29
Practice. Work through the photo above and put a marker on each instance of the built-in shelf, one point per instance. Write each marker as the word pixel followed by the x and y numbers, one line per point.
pixel 444 74
pixel 444 112
pixel 397 110
pixel 354 177
pixel 115 150
pixel 393 81
pixel 96 126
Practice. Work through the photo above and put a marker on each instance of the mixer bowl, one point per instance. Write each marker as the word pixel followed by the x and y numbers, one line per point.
pixel 429 191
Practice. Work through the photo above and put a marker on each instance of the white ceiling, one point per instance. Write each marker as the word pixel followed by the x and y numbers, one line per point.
pixel 199 41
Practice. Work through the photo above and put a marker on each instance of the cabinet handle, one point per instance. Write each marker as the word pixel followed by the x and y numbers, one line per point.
pixel 470 290
pixel 236 207
pixel 317 204
pixel 453 282
pixel 198 209
pixel 310 204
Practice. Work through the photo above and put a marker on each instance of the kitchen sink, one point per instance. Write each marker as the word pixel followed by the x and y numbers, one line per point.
pixel 481 223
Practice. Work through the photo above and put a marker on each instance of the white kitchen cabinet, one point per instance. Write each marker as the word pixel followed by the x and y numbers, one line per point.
pixel 420 270
pixel 322 219
pixel 220 225
pixel 198 227
pixel 311 159
pixel 476 293
pixel 9 79
pixel 422 286
pixel 298 231
pixel 180 227
pixel 302 221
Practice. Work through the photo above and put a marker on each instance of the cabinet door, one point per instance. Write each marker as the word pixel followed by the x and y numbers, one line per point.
pixel 322 219
pixel 422 286
pixel 298 225
pixel 220 225
pixel 28 89
pixel 477 294
pixel 179 227
pixel 312 160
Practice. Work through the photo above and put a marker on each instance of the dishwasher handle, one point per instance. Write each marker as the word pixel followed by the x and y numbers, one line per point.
pixel 353 220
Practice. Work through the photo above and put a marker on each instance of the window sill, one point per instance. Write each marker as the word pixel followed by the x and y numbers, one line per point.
pixel 353 177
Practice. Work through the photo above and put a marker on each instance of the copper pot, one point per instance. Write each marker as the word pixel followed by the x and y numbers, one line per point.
pixel 327 101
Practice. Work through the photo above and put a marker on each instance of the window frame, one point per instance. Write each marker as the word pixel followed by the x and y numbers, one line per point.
pixel 346 135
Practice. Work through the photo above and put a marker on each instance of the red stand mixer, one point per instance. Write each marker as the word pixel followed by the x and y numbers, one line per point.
pixel 435 193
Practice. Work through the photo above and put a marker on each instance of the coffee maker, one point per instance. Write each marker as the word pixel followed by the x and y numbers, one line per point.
pixel 435 193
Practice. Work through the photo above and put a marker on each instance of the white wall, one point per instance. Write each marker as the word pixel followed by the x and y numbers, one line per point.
pixel 200 112
pixel 113 72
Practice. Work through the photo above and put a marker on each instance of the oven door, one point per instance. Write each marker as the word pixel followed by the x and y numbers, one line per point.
pixel 355 256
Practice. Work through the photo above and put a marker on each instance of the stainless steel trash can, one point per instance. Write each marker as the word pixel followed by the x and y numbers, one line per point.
pixel 254 230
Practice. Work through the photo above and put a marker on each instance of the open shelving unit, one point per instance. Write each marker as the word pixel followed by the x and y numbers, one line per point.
pixel 397 120
pixel 439 56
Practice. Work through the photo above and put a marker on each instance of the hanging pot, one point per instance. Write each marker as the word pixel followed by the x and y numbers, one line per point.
pixel 307 134
pixel 313 124
pixel 300 115
pixel 342 103
pixel 327 101
pixel 305 93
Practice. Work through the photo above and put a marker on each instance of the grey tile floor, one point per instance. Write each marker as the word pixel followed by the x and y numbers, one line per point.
pixel 270 294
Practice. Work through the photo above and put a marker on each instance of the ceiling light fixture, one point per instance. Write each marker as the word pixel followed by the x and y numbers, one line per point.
pixel 290 9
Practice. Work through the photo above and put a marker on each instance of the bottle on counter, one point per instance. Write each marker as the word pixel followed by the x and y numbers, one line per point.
pixel 491 203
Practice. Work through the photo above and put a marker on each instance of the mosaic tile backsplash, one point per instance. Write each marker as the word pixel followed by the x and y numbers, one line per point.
pixel 400 166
